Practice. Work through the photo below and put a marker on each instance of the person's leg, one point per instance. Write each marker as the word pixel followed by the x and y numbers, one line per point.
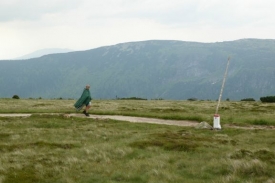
pixel 87 108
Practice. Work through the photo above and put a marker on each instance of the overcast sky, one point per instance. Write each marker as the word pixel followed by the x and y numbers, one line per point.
pixel 30 25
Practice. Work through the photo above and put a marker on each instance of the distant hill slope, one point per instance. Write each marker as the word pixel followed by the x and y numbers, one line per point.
pixel 148 69
pixel 43 52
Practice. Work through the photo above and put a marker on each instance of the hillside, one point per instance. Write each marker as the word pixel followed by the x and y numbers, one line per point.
pixel 148 69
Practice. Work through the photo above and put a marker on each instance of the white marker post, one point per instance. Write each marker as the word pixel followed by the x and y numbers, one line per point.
pixel 216 122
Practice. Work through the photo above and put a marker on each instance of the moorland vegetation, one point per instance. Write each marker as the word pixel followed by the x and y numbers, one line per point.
pixel 52 147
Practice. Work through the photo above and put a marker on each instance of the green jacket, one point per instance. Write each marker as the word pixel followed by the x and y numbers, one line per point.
pixel 83 100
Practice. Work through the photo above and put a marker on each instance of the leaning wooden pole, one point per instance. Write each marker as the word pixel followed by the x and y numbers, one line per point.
pixel 217 116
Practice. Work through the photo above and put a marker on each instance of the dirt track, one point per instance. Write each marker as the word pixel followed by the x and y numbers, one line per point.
pixel 15 115
pixel 121 118
pixel 140 120
pixel 143 120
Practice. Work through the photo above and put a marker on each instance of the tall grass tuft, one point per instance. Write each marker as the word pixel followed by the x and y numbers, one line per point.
pixel 261 122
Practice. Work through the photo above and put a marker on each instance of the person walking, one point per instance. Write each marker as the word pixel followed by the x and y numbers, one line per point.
pixel 84 100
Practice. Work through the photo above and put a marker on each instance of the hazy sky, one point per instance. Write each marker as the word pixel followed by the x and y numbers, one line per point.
pixel 30 25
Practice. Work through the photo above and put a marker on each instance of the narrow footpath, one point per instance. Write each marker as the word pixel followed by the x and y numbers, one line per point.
pixel 143 120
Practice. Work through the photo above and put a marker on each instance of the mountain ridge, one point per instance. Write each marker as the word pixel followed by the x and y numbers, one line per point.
pixel 42 52
pixel 152 69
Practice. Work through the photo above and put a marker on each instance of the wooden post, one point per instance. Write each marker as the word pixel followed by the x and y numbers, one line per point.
pixel 216 123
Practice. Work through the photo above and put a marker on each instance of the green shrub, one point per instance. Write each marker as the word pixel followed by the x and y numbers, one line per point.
pixel 131 98
pixel 268 99
pixel 248 99
pixel 15 97
pixel 192 99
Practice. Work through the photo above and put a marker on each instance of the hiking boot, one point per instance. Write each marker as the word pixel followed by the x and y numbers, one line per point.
pixel 86 114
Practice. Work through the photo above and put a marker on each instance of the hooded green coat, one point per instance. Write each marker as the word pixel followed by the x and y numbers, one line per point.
pixel 83 100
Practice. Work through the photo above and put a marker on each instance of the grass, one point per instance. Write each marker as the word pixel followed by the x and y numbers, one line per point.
pixel 237 113
pixel 54 148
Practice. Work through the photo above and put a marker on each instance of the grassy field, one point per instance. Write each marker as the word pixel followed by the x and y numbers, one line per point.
pixel 238 113
pixel 52 148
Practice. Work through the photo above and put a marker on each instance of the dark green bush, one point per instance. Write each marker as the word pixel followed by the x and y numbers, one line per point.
pixel 131 98
pixel 248 99
pixel 192 99
pixel 268 99
pixel 15 97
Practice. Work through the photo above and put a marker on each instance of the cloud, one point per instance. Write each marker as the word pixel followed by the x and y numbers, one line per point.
pixel 29 25
pixel 171 13
pixel 32 10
